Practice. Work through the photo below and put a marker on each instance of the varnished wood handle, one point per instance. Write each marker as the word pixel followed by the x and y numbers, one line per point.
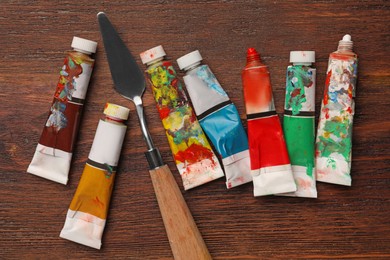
pixel 183 235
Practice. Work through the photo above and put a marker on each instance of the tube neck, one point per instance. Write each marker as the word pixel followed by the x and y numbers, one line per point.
pixel 252 55
pixel 114 120
pixel 308 64
pixel 346 44
pixel 345 47
pixel 192 66
pixel 154 61
pixel 82 51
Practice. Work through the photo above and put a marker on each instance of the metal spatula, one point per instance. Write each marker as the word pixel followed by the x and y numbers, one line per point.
pixel 183 235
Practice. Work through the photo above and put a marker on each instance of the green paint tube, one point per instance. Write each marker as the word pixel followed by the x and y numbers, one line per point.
pixel 298 121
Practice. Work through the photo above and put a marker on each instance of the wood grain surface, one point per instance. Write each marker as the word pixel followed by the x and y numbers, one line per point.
pixel 344 222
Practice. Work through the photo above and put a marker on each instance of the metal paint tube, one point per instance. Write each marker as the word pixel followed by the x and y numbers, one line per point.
pixel 218 117
pixel 334 135
pixel 298 121
pixel 53 154
pixel 270 164
pixel 194 157
pixel 87 213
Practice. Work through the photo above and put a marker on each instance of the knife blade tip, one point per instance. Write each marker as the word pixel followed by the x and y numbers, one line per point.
pixel 101 14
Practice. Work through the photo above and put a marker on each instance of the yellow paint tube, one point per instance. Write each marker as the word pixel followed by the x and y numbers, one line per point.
pixel 88 210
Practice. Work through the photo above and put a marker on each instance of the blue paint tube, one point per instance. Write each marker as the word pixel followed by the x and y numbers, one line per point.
pixel 218 117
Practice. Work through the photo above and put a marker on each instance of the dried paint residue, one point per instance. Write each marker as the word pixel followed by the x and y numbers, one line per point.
pixel 257 91
pixel 193 153
pixel 298 78
pixel 65 88
pixel 336 136
pixel 205 74
pixel 167 89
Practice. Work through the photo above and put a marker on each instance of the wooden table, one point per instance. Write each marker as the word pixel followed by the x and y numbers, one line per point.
pixel 342 223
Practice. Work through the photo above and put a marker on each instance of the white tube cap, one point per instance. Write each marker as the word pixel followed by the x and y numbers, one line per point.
pixel 152 54
pixel 186 61
pixel 346 42
pixel 302 56
pixel 116 111
pixel 84 45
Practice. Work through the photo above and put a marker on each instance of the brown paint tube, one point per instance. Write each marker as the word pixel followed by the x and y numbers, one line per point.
pixel 53 154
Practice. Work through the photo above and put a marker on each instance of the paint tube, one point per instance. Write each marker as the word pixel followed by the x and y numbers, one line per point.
pixel 53 154
pixel 194 157
pixel 298 121
pixel 218 117
pixel 88 210
pixel 334 135
pixel 270 164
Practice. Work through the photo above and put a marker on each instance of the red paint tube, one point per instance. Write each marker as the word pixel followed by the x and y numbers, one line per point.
pixel 270 164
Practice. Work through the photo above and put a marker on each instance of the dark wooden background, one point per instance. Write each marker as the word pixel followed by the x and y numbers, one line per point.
pixel 344 222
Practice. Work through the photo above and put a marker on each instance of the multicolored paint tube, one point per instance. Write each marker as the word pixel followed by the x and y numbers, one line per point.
pixel 54 151
pixel 334 135
pixel 88 210
pixel 193 154
pixel 218 117
pixel 270 164
pixel 298 121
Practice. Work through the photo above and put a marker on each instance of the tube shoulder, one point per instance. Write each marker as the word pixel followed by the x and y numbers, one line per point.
pixel 81 56
pixel 343 55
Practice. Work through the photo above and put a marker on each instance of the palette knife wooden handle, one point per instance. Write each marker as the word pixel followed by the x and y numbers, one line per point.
pixel 183 235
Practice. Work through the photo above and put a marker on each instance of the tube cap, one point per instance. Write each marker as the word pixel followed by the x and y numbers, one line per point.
pixel 189 59
pixel 116 111
pixel 302 56
pixel 346 42
pixel 84 44
pixel 152 54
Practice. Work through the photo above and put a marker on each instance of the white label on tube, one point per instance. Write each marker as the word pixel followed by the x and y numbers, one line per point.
pixel 50 166
pixel 83 228
pixel 273 180
pixel 82 81
pixel 202 97
pixel 310 93
pixel 107 144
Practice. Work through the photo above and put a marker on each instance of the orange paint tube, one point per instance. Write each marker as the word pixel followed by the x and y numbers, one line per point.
pixel 88 210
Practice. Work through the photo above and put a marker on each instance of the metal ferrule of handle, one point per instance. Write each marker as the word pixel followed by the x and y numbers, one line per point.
pixel 154 158
pixel 153 154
